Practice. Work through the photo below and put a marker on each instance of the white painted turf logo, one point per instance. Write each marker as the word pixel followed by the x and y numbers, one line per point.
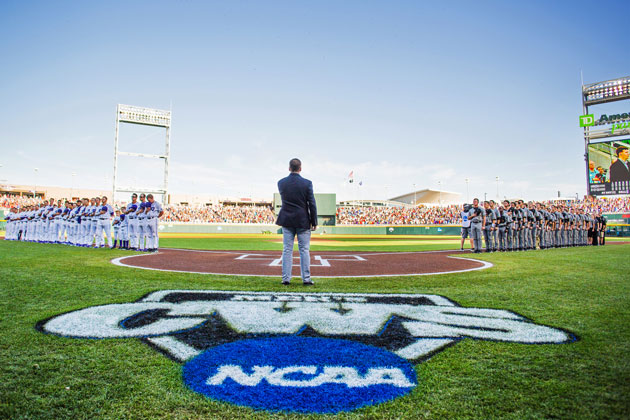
pixel 348 376
pixel 208 330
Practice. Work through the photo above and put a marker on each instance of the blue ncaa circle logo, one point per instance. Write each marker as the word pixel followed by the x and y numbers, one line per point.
pixel 300 374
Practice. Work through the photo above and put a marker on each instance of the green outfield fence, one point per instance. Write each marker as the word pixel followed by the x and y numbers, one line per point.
pixel 343 230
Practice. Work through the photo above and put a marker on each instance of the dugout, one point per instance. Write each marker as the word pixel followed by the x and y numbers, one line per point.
pixel 326 208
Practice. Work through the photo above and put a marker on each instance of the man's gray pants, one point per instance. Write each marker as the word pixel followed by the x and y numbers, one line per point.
pixel 487 237
pixel 533 234
pixel 475 233
pixel 304 242
pixel 522 238
pixel 502 238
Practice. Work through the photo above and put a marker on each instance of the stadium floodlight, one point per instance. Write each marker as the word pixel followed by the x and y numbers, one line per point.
pixel 607 91
pixel 143 116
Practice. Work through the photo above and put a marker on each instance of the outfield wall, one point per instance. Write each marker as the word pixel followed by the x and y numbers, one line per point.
pixel 344 230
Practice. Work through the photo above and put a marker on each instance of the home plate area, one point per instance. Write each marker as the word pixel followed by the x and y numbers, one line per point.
pixel 323 264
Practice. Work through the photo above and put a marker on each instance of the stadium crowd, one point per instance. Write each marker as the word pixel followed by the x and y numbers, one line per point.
pixel 219 214
pixel 398 215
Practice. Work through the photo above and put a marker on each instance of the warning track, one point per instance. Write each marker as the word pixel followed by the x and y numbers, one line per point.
pixel 323 263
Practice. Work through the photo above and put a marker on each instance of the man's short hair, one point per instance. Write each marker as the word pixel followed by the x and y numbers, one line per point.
pixel 295 165
pixel 620 149
pixel 150 196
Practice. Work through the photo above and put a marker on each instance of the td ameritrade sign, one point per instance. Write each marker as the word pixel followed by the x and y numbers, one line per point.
pixel 299 352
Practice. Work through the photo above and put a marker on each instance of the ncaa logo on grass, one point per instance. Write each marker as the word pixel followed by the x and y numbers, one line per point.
pixel 299 352
pixel 302 374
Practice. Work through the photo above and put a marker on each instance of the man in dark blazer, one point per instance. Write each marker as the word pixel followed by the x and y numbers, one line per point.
pixel 620 170
pixel 298 217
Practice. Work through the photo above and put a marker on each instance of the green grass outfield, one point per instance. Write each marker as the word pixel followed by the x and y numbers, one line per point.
pixel 583 290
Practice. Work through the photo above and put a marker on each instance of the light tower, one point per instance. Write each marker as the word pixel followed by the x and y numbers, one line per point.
pixel 142 116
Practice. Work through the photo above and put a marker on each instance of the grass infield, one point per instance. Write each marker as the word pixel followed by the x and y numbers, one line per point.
pixel 583 290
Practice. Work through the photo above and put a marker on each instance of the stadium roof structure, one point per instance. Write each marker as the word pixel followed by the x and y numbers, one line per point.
pixel 371 203
pixel 428 196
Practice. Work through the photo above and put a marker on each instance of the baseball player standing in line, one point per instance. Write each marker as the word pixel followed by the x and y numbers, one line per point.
pixel 488 230
pixel 104 215
pixel 477 218
pixel 124 231
pixel 94 225
pixel 495 231
pixel 132 221
pixel 465 227
pixel 155 212
pixel 85 222
pixel 116 227
pixel 8 236
pixel 142 223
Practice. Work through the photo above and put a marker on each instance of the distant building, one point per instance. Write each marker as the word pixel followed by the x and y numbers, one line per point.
pixel 428 197
pixel 371 203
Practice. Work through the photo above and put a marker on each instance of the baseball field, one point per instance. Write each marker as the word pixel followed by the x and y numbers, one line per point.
pixel 581 293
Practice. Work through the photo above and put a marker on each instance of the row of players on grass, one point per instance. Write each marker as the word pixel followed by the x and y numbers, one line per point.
pixel 520 226
pixel 88 222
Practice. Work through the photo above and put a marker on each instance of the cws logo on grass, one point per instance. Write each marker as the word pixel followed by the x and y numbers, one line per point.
pixel 299 352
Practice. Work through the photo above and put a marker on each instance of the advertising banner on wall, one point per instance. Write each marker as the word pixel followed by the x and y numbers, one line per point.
pixel 609 168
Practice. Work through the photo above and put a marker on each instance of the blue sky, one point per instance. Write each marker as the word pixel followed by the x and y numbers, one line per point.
pixel 400 92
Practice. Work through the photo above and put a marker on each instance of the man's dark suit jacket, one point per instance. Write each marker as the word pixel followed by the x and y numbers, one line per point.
pixel 298 202
pixel 618 172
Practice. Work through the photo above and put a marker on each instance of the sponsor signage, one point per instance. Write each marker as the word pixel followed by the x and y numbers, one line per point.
pixel 618 121
pixel 587 120
pixel 299 352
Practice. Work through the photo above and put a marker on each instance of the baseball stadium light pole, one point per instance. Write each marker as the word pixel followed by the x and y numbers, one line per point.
pixel 167 154
pixel 35 189
pixel 467 195
pixel 498 198
pixel 414 194
pixel 115 175
pixel 148 117
pixel 72 187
